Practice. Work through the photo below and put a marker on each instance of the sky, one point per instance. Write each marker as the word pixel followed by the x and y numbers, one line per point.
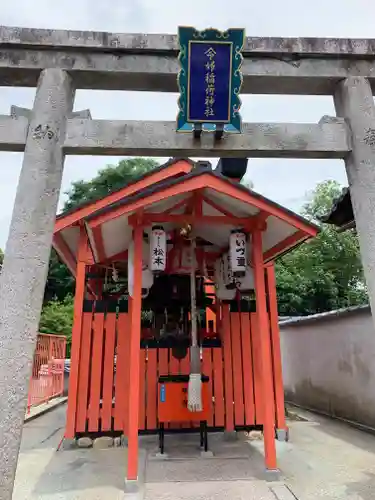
pixel 285 181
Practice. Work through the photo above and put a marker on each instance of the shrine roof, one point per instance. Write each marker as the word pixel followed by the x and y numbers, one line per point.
pixel 225 205
pixel 341 213
pixel 95 201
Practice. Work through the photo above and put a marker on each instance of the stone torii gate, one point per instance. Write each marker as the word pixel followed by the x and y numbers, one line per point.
pixel 58 62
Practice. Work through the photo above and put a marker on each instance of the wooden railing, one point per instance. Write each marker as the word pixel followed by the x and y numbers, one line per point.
pixel 47 378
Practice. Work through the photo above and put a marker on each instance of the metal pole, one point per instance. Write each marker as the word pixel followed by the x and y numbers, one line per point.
pixel 26 259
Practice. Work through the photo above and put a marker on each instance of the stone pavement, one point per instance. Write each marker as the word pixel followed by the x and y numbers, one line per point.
pixel 324 460
pixel 37 411
pixel 218 490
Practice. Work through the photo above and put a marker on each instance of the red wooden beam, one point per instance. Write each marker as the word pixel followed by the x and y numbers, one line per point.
pixel 187 186
pixel 181 167
pixel 99 243
pixel 205 181
pixel 64 252
pixel 178 205
pixel 262 204
pixel 262 217
pixel 284 245
pixel 90 257
pixel 246 222
pixel 217 207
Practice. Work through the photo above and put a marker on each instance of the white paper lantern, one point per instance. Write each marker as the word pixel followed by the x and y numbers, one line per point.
pixel 238 253
pixel 227 270
pixel 158 249
pixel 246 282
pixel 221 290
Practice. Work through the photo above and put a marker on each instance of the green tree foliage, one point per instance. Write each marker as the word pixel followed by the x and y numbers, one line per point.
pixel 325 273
pixel 111 178
pixel 57 318
pixel 1 258
pixel 60 282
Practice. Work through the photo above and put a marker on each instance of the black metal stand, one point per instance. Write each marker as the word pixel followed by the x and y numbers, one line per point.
pixel 161 438
pixel 203 434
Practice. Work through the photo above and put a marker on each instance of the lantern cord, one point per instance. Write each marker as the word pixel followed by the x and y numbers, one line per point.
pixel 195 378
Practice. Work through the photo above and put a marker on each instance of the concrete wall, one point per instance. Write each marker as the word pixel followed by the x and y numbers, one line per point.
pixel 329 363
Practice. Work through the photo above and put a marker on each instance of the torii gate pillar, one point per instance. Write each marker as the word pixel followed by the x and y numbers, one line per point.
pixel 354 101
pixel 25 268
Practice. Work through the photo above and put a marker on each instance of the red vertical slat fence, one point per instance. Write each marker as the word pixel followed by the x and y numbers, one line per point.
pixel 233 368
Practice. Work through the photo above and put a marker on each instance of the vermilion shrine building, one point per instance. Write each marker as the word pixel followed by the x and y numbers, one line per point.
pixel 118 354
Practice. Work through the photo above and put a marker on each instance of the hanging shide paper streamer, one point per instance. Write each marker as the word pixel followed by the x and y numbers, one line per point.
pixel 158 249
pixel 238 253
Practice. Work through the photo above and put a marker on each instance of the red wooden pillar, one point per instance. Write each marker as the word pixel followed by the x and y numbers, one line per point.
pixel 76 336
pixel 134 354
pixel 228 368
pixel 127 367
pixel 265 351
pixel 276 351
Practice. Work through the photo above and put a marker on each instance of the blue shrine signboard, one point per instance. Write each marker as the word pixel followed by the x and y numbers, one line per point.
pixel 210 79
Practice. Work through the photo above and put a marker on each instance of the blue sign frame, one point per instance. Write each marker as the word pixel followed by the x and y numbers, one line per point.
pixel 210 79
